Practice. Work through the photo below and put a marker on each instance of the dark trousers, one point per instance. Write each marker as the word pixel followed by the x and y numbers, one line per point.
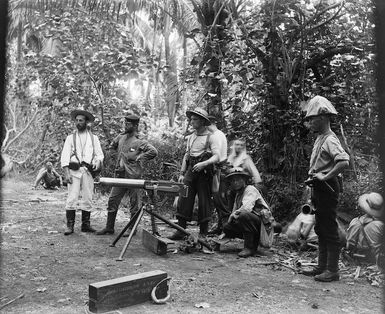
pixel 116 196
pixel 49 185
pixel 220 200
pixel 199 183
pixel 248 222
pixel 325 202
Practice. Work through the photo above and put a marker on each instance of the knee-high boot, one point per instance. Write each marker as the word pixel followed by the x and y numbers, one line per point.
pixel 86 224
pixel 203 229
pixel 322 261
pixel 331 273
pixel 70 215
pixel 179 235
pixel 110 226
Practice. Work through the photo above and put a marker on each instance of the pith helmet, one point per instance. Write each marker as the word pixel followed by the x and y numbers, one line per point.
pixel 375 204
pixel 319 105
pixel 199 112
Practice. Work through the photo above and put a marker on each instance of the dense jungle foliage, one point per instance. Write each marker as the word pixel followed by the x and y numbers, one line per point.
pixel 254 64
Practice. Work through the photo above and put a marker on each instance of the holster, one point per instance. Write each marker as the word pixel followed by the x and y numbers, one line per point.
pixel 73 165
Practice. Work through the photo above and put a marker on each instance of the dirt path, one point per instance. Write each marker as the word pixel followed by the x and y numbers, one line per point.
pixel 53 271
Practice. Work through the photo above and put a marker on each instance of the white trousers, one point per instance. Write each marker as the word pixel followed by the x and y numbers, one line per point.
pixel 81 190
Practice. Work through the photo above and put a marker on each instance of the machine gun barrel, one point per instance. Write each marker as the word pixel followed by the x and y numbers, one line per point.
pixel 161 185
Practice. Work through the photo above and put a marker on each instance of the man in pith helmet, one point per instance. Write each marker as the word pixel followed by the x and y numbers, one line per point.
pixel 328 160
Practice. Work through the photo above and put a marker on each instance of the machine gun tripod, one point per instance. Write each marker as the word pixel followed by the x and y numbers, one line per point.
pixel 153 187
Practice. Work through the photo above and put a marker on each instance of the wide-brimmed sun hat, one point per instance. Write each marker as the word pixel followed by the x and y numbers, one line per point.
pixel 237 172
pixel 89 116
pixel 199 112
pixel 375 204
pixel 319 105
pixel 213 119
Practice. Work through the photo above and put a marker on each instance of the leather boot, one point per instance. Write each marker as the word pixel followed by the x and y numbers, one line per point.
pixel 179 235
pixel 249 245
pixel 86 225
pixel 70 215
pixel 322 261
pixel 203 229
pixel 331 273
pixel 109 229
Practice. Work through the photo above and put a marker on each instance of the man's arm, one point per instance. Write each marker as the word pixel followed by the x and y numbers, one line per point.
pixel 250 166
pixel 215 158
pixel 40 176
pixel 183 168
pixel 99 156
pixel 337 169
pixel 65 158
pixel 57 176
pixel 147 152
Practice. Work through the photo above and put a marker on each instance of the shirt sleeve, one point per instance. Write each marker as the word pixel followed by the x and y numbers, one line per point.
pixel 336 150
pixel 250 197
pixel 98 149
pixel 147 151
pixel 115 143
pixel 66 152
pixel 252 169
pixel 55 173
pixel 215 146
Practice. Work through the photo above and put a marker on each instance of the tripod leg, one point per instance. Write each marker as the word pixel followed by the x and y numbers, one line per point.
pixel 120 258
pixel 177 227
pixel 129 224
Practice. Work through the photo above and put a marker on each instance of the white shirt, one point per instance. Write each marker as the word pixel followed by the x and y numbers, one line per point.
pixel 196 144
pixel 220 138
pixel 85 151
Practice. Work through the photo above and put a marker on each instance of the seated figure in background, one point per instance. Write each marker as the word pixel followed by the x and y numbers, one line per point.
pixel 48 177
pixel 301 231
pixel 364 234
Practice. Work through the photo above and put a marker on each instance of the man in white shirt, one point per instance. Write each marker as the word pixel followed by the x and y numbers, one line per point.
pixel 81 154
pixel 220 186
pixel 202 153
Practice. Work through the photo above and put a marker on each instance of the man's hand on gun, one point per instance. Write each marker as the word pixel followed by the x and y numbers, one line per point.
pixel 318 177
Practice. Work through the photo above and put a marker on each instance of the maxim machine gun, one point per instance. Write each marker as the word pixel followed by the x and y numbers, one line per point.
pixel 153 187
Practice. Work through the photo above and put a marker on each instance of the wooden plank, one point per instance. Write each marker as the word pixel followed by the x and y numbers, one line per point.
pixel 156 244
pixel 121 292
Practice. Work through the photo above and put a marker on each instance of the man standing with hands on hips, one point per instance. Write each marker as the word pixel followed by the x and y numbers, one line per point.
pixel 81 154
pixel 132 153
pixel 328 159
